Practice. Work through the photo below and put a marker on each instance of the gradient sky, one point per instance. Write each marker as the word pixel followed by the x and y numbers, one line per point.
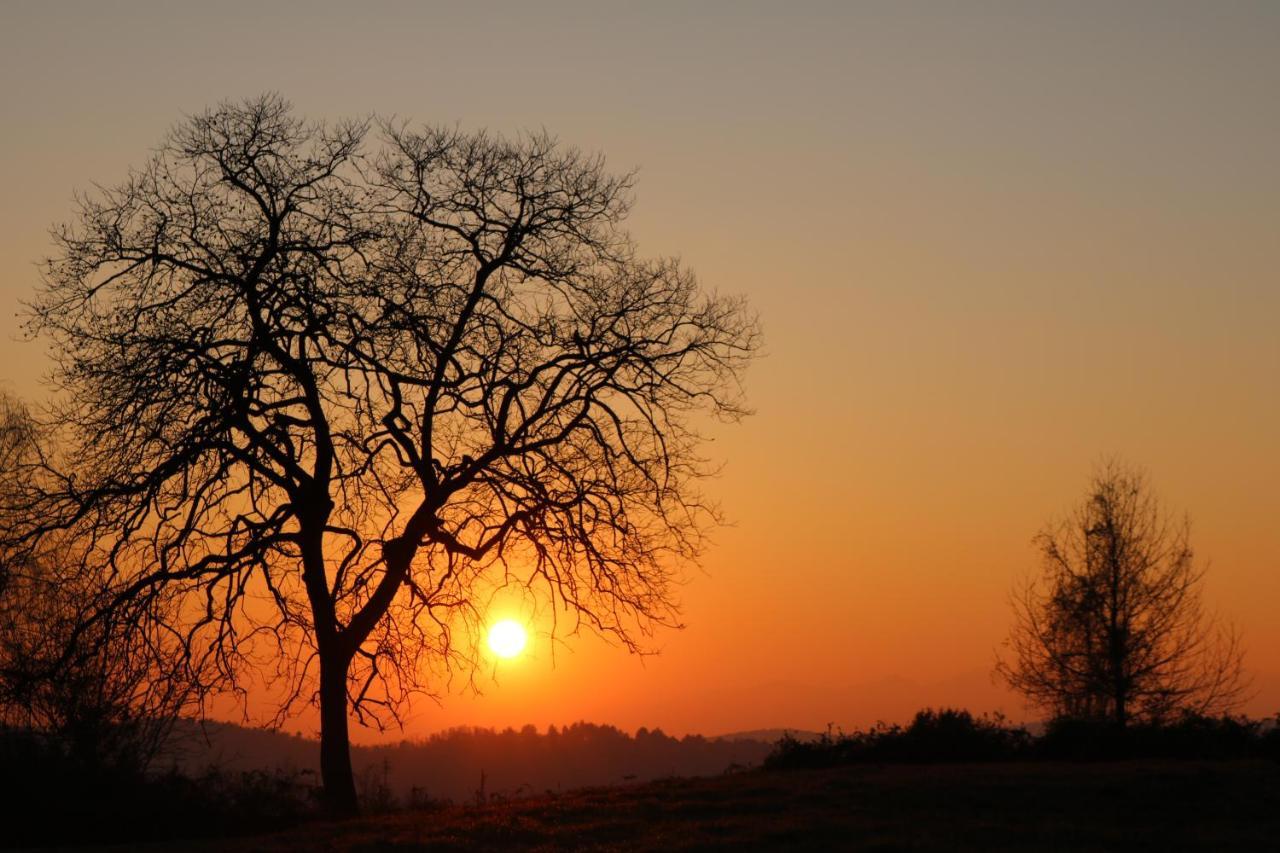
pixel 990 243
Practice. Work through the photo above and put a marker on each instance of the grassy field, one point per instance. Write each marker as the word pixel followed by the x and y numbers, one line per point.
pixel 1182 805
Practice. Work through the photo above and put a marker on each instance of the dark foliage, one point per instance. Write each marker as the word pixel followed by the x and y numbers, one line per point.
pixel 945 735
pixel 1191 737
pixel 525 761
pixel 950 735
pixel 1039 806
pixel 466 764
pixel 50 797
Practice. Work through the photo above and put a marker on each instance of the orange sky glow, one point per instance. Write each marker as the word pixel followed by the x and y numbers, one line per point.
pixel 989 244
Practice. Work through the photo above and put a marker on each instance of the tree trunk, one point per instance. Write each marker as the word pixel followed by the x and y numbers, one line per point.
pixel 1122 708
pixel 335 743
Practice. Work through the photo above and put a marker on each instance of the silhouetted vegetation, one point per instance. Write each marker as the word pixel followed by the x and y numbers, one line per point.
pixel 105 694
pixel 50 796
pixel 1115 629
pixel 466 764
pixel 1189 737
pixel 948 735
pixel 243 781
pixel 97 697
pixel 932 736
pixel 1031 806
pixel 324 386
pixel 522 762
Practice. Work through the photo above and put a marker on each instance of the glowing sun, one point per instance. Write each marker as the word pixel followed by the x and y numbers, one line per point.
pixel 507 638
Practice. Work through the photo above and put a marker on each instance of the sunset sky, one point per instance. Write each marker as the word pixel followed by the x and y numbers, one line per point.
pixel 990 244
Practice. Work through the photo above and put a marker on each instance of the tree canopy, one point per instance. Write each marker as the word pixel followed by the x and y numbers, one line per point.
pixel 1114 628
pixel 317 382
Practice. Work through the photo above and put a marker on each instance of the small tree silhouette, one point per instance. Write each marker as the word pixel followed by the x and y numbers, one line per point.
pixel 1114 628
pixel 105 695
pixel 317 391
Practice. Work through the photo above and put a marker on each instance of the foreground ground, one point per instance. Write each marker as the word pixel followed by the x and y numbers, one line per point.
pixel 1031 806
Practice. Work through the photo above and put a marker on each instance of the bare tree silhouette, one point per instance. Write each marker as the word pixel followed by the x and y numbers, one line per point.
pixel 1114 629
pixel 107 697
pixel 107 694
pixel 17 443
pixel 316 389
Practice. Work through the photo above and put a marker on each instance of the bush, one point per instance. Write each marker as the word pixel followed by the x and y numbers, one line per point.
pixel 1188 737
pixel 49 797
pixel 950 735
pixel 945 735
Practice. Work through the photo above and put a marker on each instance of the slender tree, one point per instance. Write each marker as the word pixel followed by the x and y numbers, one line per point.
pixel 320 383
pixel 1114 628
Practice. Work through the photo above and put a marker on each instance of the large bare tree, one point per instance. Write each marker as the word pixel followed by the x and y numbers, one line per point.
pixel 1114 628
pixel 319 382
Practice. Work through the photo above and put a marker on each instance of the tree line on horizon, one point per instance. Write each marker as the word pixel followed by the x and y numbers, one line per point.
pixel 467 763
pixel 218 779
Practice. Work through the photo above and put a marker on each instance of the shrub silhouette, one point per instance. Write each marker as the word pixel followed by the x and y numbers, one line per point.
pixel 49 796
pixel 947 734
pixel 950 735
pixel 1189 737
